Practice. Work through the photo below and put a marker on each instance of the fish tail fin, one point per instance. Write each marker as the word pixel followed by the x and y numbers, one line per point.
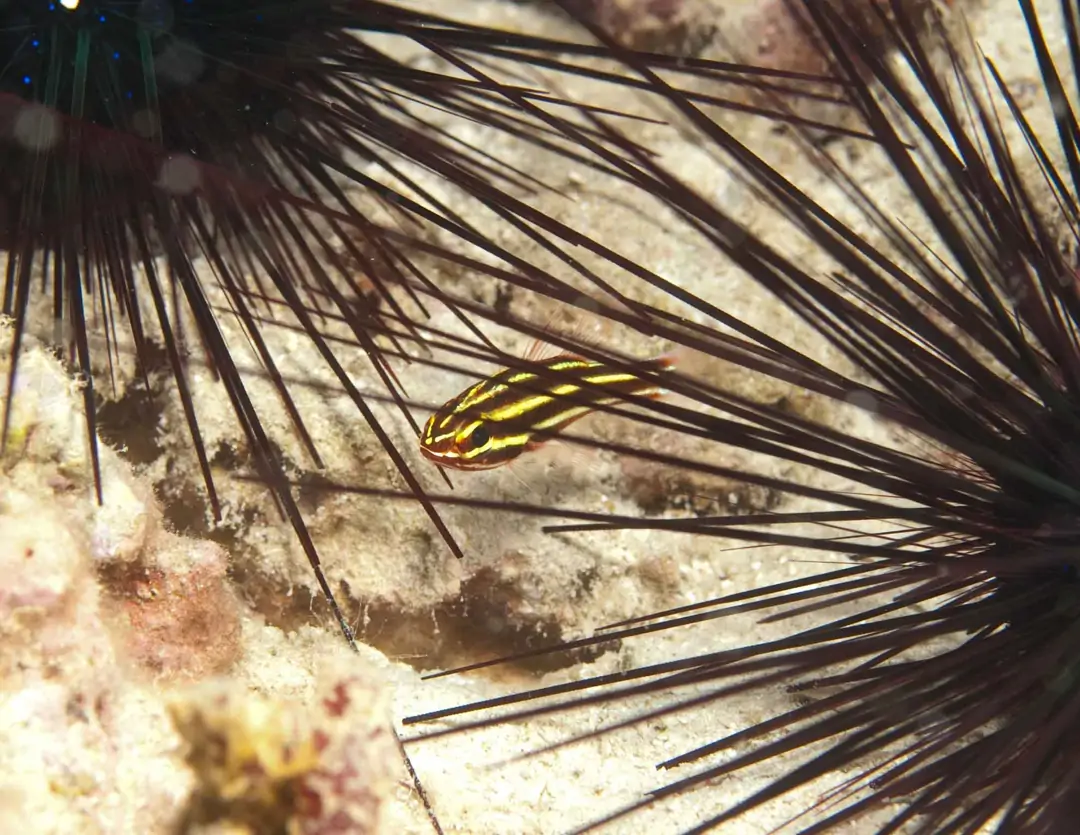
pixel 675 359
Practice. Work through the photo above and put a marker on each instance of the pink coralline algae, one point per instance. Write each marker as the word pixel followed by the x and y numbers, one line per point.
pixel 180 617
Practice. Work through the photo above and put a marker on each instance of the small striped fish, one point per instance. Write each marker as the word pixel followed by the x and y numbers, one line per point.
pixel 515 411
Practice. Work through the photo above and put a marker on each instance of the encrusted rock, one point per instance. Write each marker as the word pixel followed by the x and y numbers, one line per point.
pixel 275 766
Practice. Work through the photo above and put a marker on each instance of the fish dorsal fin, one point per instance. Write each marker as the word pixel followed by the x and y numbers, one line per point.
pixel 541 350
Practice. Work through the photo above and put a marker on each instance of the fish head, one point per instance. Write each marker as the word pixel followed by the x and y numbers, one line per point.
pixel 464 442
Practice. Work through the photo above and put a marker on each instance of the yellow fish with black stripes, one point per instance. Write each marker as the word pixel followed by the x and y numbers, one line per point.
pixel 515 411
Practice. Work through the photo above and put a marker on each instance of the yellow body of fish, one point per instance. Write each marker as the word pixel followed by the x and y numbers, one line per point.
pixel 495 420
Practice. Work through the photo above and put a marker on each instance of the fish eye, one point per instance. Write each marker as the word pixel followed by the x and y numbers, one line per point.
pixel 479 437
